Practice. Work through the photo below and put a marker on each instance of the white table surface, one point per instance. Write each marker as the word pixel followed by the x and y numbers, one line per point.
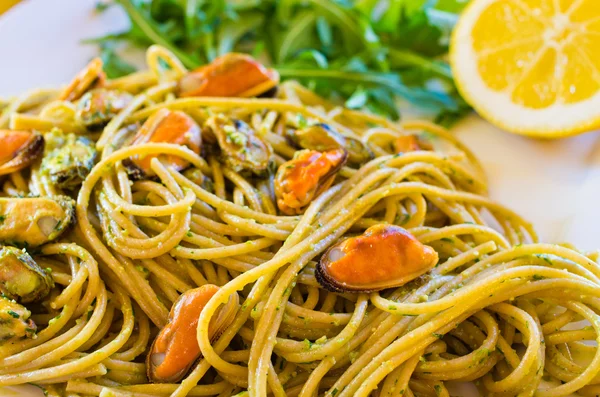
pixel 554 184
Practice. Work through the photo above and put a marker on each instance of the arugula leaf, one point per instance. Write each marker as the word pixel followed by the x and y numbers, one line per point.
pixel 324 31
pixel 313 55
pixel 114 66
pixel 358 99
pixel 231 32
pixel 101 5
pixel 148 27
pixel 361 53
pixel 366 7
pixel 390 19
pixel 164 10
pixel 452 6
pixel 403 58
pixel 296 36
pixel 382 101
pixel 418 34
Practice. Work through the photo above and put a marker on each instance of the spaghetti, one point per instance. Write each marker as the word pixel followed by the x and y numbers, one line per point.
pixel 500 309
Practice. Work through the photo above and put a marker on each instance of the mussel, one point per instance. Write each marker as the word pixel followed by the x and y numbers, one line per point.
pixel 175 348
pixel 241 148
pixel 409 143
pixel 385 256
pixel 21 278
pixel 14 321
pixel 195 175
pixel 164 126
pixel 33 221
pixel 69 159
pixel 18 149
pixel 98 106
pixel 304 177
pixel 92 76
pixel 322 137
pixel 230 75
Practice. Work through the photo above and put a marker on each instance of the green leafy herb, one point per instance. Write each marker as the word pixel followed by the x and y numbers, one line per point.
pixel 114 66
pixel 362 53
pixel 102 5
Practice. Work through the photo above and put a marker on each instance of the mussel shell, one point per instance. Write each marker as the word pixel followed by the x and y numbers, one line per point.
pixel 413 259
pixel 32 221
pixel 21 278
pixel 68 165
pixel 92 76
pixel 323 137
pixel 358 152
pixel 270 93
pixel 267 89
pixel 26 155
pixel 319 137
pixel 195 175
pixel 134 172
pixel 73 177
pixel 98 106
pixel 223 317
pixel 241 149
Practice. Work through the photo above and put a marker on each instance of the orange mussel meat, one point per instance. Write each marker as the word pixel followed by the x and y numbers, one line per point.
pixel 410 143
pixel 18 149
pixel 304 177
pixel 92 76
pixel 385 256
pixel 230 75
pixel 176 348
pixel 165 126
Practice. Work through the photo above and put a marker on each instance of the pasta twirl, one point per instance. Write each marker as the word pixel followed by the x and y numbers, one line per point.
pixel 499 309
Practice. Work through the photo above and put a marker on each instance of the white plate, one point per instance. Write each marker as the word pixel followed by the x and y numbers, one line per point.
pixel 554 184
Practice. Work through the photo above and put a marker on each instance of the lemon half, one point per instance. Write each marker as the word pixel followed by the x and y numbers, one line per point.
pixel 531 66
